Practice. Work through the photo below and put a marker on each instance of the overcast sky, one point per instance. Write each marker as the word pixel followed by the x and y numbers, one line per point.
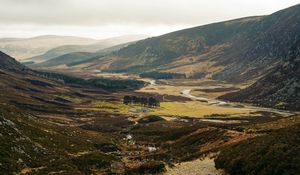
pixel 108 18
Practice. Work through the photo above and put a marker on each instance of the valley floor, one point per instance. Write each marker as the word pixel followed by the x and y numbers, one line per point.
pixel 98 127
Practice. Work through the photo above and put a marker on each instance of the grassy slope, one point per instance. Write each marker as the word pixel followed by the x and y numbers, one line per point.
pixel 277 153
pixel 32 144
pixel 280 88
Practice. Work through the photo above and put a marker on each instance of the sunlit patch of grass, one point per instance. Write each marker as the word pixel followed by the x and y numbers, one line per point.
pixel 107 106
pixel 193 109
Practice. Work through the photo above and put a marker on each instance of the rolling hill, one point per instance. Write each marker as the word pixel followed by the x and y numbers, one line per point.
pixel 22 48
pixel 94 47
pixel 64 59
pixel 76 58
pixel 236 51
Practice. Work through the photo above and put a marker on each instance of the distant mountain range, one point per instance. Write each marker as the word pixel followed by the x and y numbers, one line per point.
pixel 74 58
pixel 45 47
pixel 22 48
pixel 94 47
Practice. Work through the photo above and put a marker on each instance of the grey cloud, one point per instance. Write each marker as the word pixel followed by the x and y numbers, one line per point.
pixel 102 12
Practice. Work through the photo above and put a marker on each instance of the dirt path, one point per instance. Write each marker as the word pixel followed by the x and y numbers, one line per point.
pixel 205 166
pixel 28 170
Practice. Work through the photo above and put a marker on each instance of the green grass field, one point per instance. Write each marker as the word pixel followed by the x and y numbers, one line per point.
pixel 193 109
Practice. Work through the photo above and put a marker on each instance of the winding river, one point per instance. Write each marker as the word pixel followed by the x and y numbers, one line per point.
pixel 187 93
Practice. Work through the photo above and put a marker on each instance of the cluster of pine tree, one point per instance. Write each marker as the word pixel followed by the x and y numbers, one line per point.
pixel 143 101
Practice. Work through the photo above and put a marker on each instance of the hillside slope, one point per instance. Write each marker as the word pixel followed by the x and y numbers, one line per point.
pixel 27 89
pixel 42 130
pixel 31 143
pixel 9 63
pixel 237 50
pixel 276 153
pixel 33 90
pixel 64 59
pixel 279 88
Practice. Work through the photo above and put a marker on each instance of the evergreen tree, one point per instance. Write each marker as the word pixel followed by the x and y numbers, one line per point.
pixel 151 102
pixel 143 101
pixel 127 100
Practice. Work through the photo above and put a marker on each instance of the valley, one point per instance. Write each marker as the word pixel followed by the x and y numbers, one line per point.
pixel 83 129
pixel 80 128
pixel 185 127
pixel 221 98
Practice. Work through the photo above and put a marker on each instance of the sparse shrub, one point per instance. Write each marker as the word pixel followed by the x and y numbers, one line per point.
pixel 91 161
pixel 277 153
pixel 152 167
pixel 150 119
